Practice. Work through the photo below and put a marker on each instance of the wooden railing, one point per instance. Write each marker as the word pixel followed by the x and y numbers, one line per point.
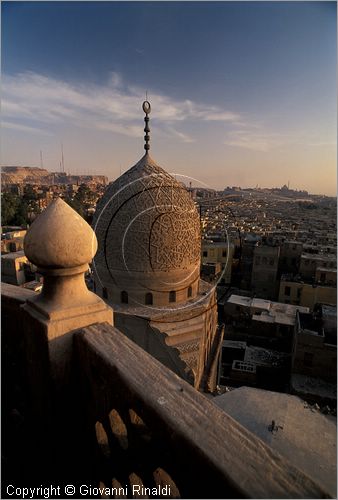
pixel 152 429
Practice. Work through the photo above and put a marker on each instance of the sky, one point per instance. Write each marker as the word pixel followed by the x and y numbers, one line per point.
pixel 242 93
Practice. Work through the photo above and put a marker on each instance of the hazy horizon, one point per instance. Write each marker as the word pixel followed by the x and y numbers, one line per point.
pixel 242 94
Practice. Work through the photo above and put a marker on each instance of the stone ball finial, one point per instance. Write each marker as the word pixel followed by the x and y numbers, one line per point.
pixel 60 238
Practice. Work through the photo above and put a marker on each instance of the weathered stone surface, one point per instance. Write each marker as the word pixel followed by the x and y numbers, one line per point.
pixel 118 428
pixel 148 262
pixel 61 244
pixel 102 439
pixel 148 231
pixel 211 451
pixel 60 238
pixel 162 478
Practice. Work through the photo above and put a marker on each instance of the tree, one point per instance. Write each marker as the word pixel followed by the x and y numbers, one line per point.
pixel 82 200
pixel 9 206
pixel 29 193
pixel 14 210
pixel 21 215
pixel 76 205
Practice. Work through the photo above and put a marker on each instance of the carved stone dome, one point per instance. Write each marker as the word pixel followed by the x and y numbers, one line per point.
pixel 148 233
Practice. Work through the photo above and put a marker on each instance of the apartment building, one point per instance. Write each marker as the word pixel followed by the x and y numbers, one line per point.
pixel 296 291
pixel 219 253
pixel 264 271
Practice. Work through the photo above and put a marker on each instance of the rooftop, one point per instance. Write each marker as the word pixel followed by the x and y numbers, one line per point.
pixel 326 270
pixel 234 344
pixel 298 429
pixel 14 255
pixel 264 357
pixel 307 386
pixel 319 256
pixel 322 322
pixel 219 244
pixel 297 278
pixel 268 311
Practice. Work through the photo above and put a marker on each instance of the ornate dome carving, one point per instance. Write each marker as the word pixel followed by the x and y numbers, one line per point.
pixel 148 232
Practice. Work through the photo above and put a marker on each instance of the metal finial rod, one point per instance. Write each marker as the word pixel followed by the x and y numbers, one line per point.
pixel 146 108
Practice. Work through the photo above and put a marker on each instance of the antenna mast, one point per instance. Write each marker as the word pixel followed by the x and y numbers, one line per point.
pixel 62 159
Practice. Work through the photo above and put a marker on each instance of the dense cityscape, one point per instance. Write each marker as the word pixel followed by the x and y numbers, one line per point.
pixel 271 253
pixel 270 256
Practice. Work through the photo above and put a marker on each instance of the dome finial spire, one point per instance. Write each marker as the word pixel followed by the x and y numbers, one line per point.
pixel 146 108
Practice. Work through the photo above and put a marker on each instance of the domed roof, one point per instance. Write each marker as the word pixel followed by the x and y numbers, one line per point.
pixel 147 223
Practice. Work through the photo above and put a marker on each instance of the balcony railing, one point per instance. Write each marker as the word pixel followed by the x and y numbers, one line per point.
pixel 141 426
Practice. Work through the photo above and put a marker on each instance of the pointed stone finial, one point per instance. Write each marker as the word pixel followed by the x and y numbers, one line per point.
pixel 146 108
pixel 61 244
pixel 60 239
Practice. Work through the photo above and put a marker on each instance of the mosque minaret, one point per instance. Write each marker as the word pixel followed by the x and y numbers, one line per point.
pixel 148 269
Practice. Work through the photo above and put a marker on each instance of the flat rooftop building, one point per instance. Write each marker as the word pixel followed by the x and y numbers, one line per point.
pixel 265 310
pixel 298 434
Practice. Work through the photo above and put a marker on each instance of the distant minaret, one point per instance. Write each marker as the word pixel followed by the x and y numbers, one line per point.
pixel 146 108
pixel 288 184
pixel 41 162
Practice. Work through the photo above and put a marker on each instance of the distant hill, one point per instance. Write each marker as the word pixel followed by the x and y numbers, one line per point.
pixel 18 175
pixel 35 175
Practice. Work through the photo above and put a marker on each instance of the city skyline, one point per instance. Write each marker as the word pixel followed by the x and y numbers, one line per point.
pixel 242 94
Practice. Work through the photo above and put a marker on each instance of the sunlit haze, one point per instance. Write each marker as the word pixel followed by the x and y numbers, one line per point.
pixel 242 94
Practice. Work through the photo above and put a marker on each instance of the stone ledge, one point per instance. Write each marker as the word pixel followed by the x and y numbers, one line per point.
pixel 16 292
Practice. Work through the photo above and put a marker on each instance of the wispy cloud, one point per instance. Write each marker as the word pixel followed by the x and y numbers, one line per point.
pixel 24 128
pixel 254 139
pixel 180 135
pixel 114 106
pixel 323 144
pixel 36 103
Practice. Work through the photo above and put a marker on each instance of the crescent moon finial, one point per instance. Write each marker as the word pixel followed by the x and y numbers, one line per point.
pixel 146 108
